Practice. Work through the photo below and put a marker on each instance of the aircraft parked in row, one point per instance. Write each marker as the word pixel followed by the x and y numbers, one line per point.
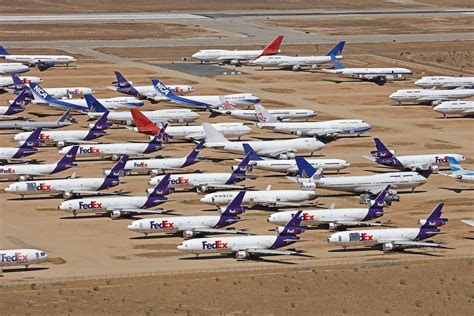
pixel 145 126
pixel 265 198
pixel 248 247
pixel 21 257
pixel 13 68
pixel 431 96
pixel 156 166
pixel 7 81
pixel 120 206
pixel 17 106
pixel 289 166
pixel 205 102
pixel 455 107
pixel 62 121
pixel 204 182
pixel 283 149
pixel 445 82
pixel 380 76
pixel 322 129
pixel 194 226
pixel 124 86
pixel 236 57
pixel 458 172
pixel 71 187
pixel 115 150
pixel 26 149
pixel 297 63
pixel 384 156
pixel 394 239
pixel 251 115
pixel 28 171
pixel 337 218
pixel 43 62
pixel 61 138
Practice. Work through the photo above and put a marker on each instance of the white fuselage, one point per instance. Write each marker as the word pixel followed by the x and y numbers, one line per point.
pixel 389 74
pixel 282 61
pixel 104 204
pixel 227 244
pixel 197 132
pixel 55 186
pixel 171 225
pixel 21 257
pixel 455 107
pixel 189 180
pixel 63 93
pixel 101 150
pixel 9 68
pixel 265 197
pixel 445 82
pixel 54 136
pixel 413 161
pixel 289 165
pixel 150 93
pixel 34 59
pixel 323 216
pixel 428 95
pixel 242 99
pixel 318 128
pixel 154 164
pixel 18 170
pixel 224 54
pixel 8 81
pixel 374 236
pixel 157 116
pixel 7 153
pixel 281 114
pixel 272 146
pixel 109 103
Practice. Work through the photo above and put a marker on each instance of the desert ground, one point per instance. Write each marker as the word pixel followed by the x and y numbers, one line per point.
pixel 97 266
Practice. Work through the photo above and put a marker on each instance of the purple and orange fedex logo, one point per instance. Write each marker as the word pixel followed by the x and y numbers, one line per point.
pixel 441 159
pixel 307 217
pixel 360 237
pixel 179 180
pixel 90 150
pixel 218 244
pixel 38 187
pixel 140 164
pixel 7 170
pixel 17 257
pixel 164 224
pixel 89 206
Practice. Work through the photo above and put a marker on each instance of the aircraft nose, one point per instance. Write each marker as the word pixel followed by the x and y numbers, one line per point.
pixel 347 164
pixel 393 96
pixel 8 189
pixel 131 226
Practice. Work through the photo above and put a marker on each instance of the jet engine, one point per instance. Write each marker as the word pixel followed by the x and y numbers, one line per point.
pixel 188 234
pixel 388 246
pixel 435 168
pixel 296 68
pixel 436 102
pixel 115 214
pixel 315 66
pixel 115 157
pixel 45 65
pixel 23 178
pixel 60 145
pixel 155 172
pixel 234 62
pixel 202 188
pixel 332 226
pixel 241 254
pixel 67 195
pixel 307 186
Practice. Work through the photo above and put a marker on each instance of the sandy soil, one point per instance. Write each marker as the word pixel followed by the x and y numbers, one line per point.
pixel 382 25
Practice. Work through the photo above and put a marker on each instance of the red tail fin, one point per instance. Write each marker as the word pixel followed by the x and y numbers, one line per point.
pixel 143 124
pixel 273 48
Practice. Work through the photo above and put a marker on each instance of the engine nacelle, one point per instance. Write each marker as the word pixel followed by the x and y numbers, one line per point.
pixel 291 155
pixel 115 214
pixel 202 188
pixel 135 129
pixel 296 68
pixel 60 144
pixel 434 168
pixel 315 66
pixel 436 102
pixel 234 62
pixel 249 168
pixel 155 172
pixel 389 77
pixel 67 195
pixel 115 157
pixel 307 186
pixel 188 234
pixel 23 178
pixel 241 254
pixel 283 156
pixel 388 246
pixel 332 226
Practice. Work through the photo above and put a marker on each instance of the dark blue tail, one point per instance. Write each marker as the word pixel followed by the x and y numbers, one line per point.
pixel 3 51
pixel 337 50
pixel 435 219
pixel 94 105
pixel 293 227
pixel 67 161
pixel 235 206
pixel 117 170
pixel 101 123
pixel 162 187
pixel 253 154
pixel 18 104
pixel 305 169
pixel 193 155
pixel 381 149
pixel 32 140
pixel 123 85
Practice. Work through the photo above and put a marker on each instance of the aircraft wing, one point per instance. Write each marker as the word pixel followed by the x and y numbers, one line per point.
pixel 218 231
pixel 85 192
pixel 233 58
pixel 76 141
pixel 325 133
pixel 373 189
pixel 286 204
pixel 140 211
pixel 469 222
pixel 355 223
pixel 225 186
pixel 196 136
pixel 270 252
pixel 275 153
pixel 413 244
pixel 420 166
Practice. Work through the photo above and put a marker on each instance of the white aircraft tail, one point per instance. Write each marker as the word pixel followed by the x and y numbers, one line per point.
pixel 212 135
pixel 263 115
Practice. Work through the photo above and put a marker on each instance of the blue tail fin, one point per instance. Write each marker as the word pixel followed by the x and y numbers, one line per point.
pixel 339 65
pixel 121 81
pixel 64 117
pixel 235 206
pixel 381 149
pixel 94 105
pixel 454 164
pixel 101 123
pixel 293 227
pixel 243 166
pixel 305 169
pixel 32 140
pixel 3 51
pixel 67 161
pixel 17 82
pixel 18 104
pixel 253 154
pixel 41 95
pixel 435 219
pixel 337 50
pixel 379 201
pixel 192 157
pixel 162 187
pixel 117 170
pixel 168 93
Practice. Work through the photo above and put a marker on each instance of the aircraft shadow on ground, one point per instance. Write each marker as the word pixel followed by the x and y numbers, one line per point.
pixel 457 190
pixel 30 269
pixel 258 259
pixel 151 237
pixel 32 198
pixel 372 249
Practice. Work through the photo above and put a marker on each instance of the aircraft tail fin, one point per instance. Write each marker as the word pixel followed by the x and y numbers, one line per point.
pixel 274 47
pixel 17 82
pixel 379 201
pixel 162 188
pixel 212 135
pixel 337 50
pixel 339 65
pixel 67 161
pixel 305 169
pixel 3 51
pixel 293 227
pixel 235 206
pixel 32 140
pixel 65 117
pixel 163 89
pixel 94 105
pixel 17 104
pixel 121 81
pixel 263 115
pixel 40 95
pixel 101 123
pixel 454 165
pixel 143 123
pixel 434 219
pixel 253 154
pixel 381 149
pixel 243 166
pixel 193 155
pixel 117 170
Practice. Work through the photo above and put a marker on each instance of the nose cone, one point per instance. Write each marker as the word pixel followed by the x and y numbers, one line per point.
pixel 331 238
pixel 181 246
pixel 394 96
pixel 206 199
pixel 270 218
pixel 419 82
pixel 9 188
pixel 62 206
pixel 347 164
pixel 438 108
pixel 132 226
pixel 197 56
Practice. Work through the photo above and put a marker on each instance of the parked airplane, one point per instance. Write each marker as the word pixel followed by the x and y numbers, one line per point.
pixel 380 76
pixel 64 120
pixel 205 101
pixel 458 172
pixel 43 62
pixel 384 156
pixel 248 247
pixel 194 226
pixel 58 93
pixel 297 63
pixel 337 218
pixel 13 68
pixel 310 179
pixel 204 182
pixel 283 149
pixel 394 239
pixel 26 149
pixel 145 126
pixel 17 106
pixel 455 107
pixel 469 222
pixel 119 206
pixel 21 257
pixel 251 115
pixel 157 166
pixel 7 81
pixel 61 138
pixel 235 57
pixel 124 86
pixel 71 187
pixel 445 82
pixel 265 198
pixel 289 165
pixel 28 171
pixel 431 96
pixel 322 129
pixel 115 150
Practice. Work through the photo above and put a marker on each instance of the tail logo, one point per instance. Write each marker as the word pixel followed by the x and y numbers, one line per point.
pixel 162 88
pixel 40 91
